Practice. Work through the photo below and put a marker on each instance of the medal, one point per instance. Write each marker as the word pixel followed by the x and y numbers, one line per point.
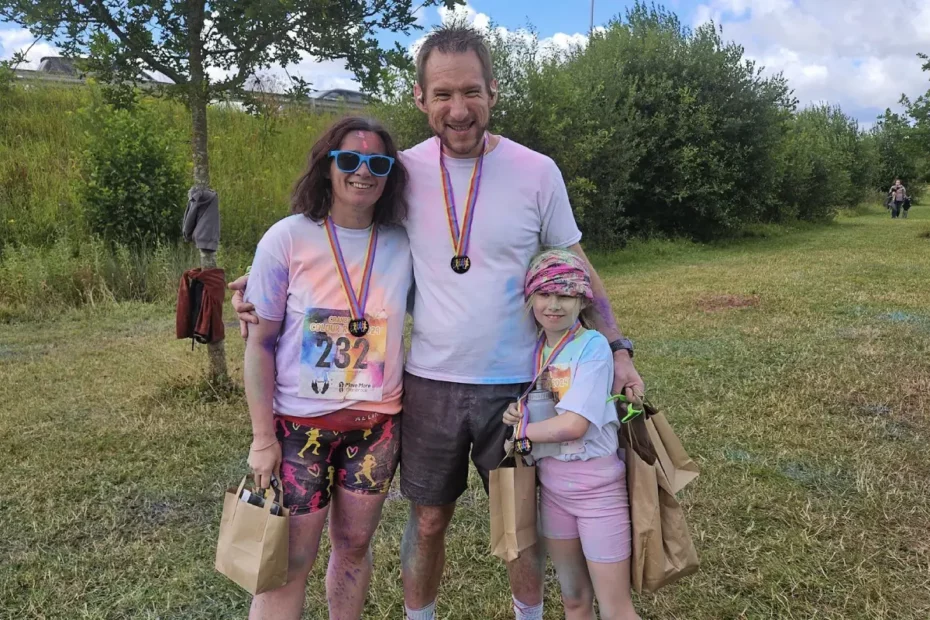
pixel 461 263
pixel 358 326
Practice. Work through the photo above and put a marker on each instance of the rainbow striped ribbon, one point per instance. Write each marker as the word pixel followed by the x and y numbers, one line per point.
pixel 460 237
pixel 356 302
pixel 567 337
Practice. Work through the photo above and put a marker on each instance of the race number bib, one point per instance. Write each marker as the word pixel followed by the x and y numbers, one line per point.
pixel 560 380
pixel 336 365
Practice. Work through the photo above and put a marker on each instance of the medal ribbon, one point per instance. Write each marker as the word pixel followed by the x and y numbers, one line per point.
pixel 460 237
pixel 356 302
pixel 567 337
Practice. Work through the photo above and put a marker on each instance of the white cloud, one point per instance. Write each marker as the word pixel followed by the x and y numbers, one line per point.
pixel 420 14
pixel 322 74
pixel 460 12
pixel 19 40
pixel 860 54
pixel 559 42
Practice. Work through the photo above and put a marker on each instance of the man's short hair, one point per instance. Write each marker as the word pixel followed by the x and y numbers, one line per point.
pixel 455 39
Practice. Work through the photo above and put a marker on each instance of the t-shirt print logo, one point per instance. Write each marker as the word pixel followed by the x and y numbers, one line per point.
pixel 560 379
pixel 320 386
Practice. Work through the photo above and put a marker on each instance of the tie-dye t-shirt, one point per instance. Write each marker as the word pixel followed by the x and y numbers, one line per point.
pixel 581 378
pixel 473 327
pixel 321 367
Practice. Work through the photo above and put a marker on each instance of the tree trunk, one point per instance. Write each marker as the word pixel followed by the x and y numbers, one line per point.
pixel 198 97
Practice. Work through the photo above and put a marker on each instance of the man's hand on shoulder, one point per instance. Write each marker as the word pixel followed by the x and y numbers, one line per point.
pixel 244 310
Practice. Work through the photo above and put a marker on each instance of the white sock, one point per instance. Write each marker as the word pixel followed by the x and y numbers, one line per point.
pixel 427 613
pixel 527 612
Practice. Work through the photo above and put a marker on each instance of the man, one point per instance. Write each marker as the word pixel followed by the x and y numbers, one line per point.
pixel 898 194
pixel 480 207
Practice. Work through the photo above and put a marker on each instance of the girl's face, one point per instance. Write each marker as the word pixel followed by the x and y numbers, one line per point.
pixel 556 312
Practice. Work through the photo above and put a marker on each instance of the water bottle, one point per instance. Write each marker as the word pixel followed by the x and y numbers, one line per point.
pixel 541 406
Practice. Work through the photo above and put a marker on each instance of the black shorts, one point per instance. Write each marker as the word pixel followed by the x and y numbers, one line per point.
pixel 314 460
pixel 444 423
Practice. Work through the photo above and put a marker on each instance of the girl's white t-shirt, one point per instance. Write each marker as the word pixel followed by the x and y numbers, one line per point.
pixel 581 377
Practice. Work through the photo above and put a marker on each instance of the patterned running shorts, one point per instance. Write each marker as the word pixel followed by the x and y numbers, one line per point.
pixel 316 459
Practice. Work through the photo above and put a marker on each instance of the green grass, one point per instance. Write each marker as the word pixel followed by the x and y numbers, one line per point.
pixel 795 366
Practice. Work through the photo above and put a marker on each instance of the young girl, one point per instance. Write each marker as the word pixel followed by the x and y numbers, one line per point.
pixel 584 508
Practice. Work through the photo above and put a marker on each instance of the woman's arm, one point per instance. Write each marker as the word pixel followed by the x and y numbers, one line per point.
pixel 265 453
pixel 566 426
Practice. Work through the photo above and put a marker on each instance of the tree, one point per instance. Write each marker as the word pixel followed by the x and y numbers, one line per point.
pixel 188 41
pixel 899 152
pixel 919 112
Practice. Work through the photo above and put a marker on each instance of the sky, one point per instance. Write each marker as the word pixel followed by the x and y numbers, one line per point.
pixel 860 54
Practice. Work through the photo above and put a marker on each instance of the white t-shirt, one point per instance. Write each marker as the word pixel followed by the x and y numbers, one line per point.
pixel 581 378
pixel 474 327
pixel 321 368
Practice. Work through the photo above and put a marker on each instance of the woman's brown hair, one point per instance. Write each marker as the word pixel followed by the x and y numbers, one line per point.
pixel 313 192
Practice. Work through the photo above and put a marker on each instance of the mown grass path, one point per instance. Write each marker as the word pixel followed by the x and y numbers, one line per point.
pixel 794 367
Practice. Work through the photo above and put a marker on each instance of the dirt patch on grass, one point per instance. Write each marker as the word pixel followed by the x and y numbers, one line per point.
pixel 719 303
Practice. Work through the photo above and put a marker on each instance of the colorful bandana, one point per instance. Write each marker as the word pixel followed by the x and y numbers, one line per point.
pixel 558 272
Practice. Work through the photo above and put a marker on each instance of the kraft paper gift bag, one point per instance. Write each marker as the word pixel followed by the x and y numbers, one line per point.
pixel 679 468
pixel 663 550
pixel 252 545
pixel 512 491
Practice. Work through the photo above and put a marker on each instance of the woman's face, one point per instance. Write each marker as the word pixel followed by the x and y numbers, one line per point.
pixel 556 313
pixel 360 189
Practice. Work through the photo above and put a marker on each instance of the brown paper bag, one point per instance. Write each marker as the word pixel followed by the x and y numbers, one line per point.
pixel 252 546
pixel 677 465
pixel 663 551
pixel 679 556
pixel 513 510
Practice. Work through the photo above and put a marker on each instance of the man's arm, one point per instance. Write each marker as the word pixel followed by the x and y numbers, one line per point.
pixel 626 379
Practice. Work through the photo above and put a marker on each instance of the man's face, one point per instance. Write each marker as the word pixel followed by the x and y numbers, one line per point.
pixel 457 101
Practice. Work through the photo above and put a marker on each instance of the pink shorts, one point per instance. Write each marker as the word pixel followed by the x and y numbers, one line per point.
pixel 587 500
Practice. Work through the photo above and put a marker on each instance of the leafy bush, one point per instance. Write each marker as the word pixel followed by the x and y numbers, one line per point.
pixel 133 189
pixel 821 169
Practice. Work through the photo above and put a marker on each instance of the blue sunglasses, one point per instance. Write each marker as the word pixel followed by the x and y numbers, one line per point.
pixel 350 161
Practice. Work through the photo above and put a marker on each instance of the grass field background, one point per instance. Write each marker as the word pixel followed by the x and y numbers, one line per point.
pixel 795 366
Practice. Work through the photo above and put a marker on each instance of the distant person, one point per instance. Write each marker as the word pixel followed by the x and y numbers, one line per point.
pixel 898 195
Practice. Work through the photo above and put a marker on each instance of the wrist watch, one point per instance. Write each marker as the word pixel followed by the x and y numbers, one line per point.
pixel 622 344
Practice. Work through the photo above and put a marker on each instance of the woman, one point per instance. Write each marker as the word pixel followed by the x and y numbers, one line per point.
pixel 324 364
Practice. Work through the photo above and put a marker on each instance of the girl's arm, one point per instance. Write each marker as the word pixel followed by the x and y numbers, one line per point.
pixel 265 453
pixel 566 426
